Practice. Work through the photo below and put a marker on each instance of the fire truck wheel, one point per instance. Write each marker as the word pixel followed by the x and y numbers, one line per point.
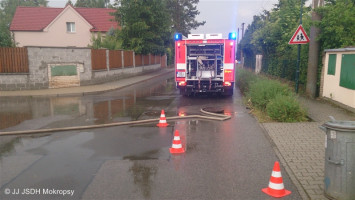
pixel 183 92
pixel 228 92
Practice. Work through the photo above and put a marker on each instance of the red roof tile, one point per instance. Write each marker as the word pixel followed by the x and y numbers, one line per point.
pixel 99 18
pixel 37 18
pixel 33 18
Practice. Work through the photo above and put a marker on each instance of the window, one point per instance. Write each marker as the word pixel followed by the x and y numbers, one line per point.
pixel 331 64
pixel 347 72
pixel 71 27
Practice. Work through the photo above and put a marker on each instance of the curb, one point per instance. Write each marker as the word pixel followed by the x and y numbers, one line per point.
pixel 107 90
pixel 289 171
pixel 93 92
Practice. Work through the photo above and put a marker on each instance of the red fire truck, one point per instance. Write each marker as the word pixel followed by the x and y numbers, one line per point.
pixel 205 63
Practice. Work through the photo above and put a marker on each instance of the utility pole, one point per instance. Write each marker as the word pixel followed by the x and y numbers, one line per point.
pixel 238 47
pixel 238 37
pixel 241 49
pixel 313 53
pixel 298 54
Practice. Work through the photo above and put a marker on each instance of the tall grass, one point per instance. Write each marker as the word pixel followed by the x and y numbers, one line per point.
pixel 270 97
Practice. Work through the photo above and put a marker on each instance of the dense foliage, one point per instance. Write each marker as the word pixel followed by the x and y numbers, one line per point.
pixel 244 79
pixel 145 26
pixel 148 26
pixel 338 24
pixel 270 32
pixel 285 108
pixel 269 98
pixel 262 91
pixel 183 14
pixel 92 3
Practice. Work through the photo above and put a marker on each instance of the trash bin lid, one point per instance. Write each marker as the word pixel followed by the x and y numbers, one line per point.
pixel 342 125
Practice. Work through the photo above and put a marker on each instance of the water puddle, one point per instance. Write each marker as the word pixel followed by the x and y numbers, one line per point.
pixel 26 113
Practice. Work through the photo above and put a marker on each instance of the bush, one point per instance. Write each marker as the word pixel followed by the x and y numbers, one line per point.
pixel 244 78
pixel 285 109
pixel 262 91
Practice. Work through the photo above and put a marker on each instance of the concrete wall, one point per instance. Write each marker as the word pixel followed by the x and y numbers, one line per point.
pixel 330 87
pixel 116 74
pixel 42 58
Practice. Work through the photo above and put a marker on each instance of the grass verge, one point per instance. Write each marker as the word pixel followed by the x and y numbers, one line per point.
pixel 269 100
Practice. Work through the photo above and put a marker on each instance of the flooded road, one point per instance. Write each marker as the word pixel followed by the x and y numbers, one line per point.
pixel 223 160
pixel 26 113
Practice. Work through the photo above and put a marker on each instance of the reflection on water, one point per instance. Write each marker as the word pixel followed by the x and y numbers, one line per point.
pixel 121 105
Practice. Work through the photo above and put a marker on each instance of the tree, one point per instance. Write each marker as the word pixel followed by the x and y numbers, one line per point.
pixel 269 35
pixel 249 49
pixel 146 25
pixel 110 41
pixel 5 36
pixel 8 7
pixel 337 24
pixel 313 53
pixel 7 12
pixel 92 3
pixel 183 13
pixel 69 3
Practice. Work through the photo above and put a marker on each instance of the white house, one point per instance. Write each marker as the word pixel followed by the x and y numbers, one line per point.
pixel 60 27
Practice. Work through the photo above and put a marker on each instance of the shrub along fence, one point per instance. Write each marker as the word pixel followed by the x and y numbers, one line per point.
pixel 270 97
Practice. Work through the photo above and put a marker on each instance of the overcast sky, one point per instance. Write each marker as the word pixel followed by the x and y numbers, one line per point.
pixel 221 16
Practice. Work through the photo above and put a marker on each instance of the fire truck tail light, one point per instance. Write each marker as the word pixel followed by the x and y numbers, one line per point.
pixel 228 71
pixel 182 83
pixel 227 83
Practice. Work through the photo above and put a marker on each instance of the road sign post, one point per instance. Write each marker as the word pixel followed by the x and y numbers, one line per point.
pixel 299 37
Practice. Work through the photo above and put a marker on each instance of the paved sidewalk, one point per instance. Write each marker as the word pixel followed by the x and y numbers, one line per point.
pixel 89 89
pixel 301 146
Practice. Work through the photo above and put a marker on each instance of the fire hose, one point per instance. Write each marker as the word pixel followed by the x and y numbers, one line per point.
pixel 213 116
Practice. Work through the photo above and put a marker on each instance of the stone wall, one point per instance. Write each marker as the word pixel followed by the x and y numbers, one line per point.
pixel 116 74
pixel 42 58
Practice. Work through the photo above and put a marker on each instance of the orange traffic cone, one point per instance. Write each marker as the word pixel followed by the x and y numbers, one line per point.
pixel 162 121
pixel 276 185
pixel 177 146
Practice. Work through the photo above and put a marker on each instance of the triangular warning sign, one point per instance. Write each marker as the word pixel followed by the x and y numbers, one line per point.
pixel 300 36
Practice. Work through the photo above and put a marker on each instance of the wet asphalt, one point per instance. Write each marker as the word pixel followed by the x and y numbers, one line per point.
pixel 223 160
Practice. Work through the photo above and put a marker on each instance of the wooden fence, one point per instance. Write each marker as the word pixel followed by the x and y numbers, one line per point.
pixel 138 59
pixel 146 60
pixel 115 59
pixel 128 58
pixel 163 61
pixel 14 60
pixel 98 59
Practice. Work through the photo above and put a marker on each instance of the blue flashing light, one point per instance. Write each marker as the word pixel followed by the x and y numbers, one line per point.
pixel 178 36
pixel 232 36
